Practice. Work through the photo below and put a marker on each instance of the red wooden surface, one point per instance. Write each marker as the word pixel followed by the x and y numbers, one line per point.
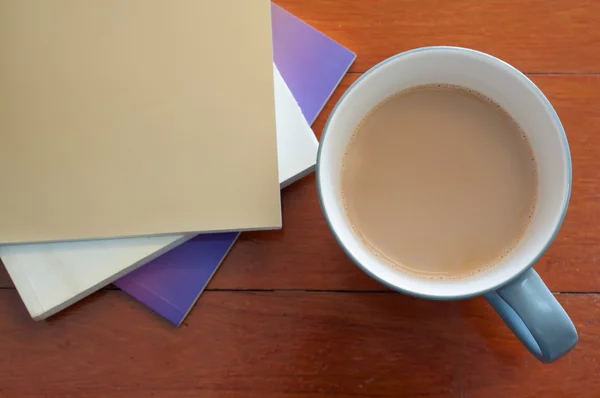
pixel 288 315
pixel 289 344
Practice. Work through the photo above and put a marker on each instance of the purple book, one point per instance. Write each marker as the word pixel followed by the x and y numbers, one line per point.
pixel 312 66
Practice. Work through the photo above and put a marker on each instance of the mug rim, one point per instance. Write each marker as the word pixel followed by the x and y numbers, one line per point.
pixel 563 138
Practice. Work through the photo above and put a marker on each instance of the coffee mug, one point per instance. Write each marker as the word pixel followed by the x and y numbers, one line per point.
pixel 512 287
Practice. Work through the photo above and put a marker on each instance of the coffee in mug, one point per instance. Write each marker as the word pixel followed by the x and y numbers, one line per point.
pixel 439 181
pixel 445 173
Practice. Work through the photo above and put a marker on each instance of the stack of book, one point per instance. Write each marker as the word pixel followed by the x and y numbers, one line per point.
pixel 140 138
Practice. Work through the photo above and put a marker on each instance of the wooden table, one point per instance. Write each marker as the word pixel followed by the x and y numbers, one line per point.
pixel 288 315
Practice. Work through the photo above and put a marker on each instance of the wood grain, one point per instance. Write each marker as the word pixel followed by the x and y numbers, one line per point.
pixel 555 36
pixel 275 345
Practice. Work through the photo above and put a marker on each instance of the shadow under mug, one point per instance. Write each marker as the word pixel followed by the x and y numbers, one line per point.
pixel 512 287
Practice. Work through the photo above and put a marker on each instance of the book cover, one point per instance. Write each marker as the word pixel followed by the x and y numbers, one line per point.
pixel 312 66
pixel 133 118
pixel 311 63
pixel 78 269
pixel 50 277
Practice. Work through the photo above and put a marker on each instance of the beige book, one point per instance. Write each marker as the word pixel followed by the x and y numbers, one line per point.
pixel 51 276
pixel 138 117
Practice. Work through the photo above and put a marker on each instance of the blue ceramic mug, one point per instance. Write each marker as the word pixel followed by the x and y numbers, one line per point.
pixel 512 287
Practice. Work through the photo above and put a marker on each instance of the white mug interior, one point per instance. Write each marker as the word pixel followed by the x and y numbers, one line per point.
pixel 500 82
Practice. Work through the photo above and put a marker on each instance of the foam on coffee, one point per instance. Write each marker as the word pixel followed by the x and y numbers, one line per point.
pixel 439 182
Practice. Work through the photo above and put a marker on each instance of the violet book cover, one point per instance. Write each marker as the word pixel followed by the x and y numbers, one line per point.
pixel 312 65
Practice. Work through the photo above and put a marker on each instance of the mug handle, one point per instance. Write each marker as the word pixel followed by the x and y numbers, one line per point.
pixel 534 315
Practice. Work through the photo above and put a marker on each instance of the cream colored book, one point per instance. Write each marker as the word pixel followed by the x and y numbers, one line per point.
pixel 135 118
pixel 51 276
